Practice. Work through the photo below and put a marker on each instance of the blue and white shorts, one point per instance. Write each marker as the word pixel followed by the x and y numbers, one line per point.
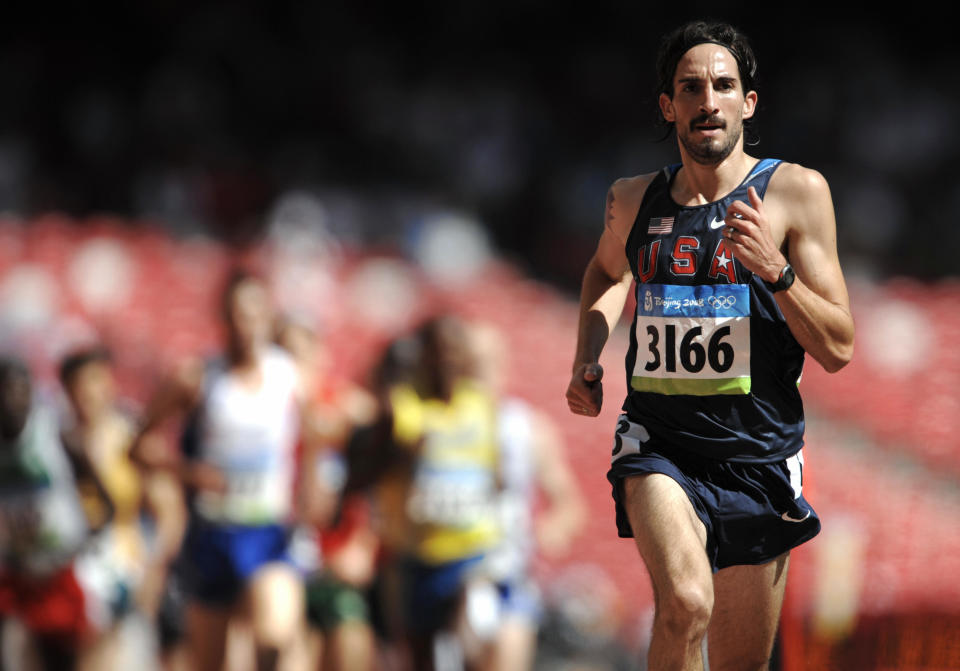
pixel 217 561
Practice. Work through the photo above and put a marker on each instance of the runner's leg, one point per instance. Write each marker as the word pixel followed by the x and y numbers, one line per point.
pixel 276 600
pixel 746 612
pixel 515 644
pixel 672 541
pixel 207 635
pixel 350 647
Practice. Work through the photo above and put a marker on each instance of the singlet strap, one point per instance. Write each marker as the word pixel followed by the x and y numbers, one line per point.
pixel 762 166
pixel 659 183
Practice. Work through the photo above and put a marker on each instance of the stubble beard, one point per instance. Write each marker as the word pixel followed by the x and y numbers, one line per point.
pixel 711 151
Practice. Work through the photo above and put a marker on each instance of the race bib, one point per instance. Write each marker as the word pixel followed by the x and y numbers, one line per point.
pixel 693 340
pixel 452 499
pixel 258 488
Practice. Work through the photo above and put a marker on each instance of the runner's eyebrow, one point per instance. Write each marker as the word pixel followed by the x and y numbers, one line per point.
pixel 694 79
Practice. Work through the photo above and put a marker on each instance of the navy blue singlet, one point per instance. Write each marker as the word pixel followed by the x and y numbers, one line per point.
pixel 712 367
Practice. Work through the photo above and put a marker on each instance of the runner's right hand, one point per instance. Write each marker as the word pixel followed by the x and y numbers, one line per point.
pixel 585 393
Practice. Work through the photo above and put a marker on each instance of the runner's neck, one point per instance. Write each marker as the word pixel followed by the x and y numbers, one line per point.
pixel 697 184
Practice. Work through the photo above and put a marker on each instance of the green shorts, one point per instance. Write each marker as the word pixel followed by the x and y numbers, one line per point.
pixel 331 602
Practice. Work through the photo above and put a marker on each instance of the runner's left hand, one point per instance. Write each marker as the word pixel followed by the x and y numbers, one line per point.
pixel 750 238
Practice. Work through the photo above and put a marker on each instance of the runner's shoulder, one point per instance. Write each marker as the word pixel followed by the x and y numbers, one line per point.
pixel 792 182
pixel 623 202
pixel 631 189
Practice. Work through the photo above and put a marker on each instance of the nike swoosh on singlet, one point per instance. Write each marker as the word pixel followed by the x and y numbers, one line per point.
pixel 786 517
pixel 717 223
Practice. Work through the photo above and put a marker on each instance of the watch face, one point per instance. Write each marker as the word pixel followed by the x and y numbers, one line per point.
pixel 786 278
pixel 784 281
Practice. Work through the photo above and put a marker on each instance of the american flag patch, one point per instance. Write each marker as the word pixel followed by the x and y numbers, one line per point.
pixel 660 225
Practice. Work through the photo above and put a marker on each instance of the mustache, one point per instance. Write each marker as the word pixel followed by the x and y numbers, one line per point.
pixel 707 119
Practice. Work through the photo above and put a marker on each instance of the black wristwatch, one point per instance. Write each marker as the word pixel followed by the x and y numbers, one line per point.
pixel 784 280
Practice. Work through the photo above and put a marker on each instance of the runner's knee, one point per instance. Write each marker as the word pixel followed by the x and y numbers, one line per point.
pixel 685 610
pixel 277 607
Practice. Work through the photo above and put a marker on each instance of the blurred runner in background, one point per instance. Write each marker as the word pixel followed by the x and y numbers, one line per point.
pixel 337 609
pixel 145 534
pixel 243 413
pixel 532 458
pixel 433 455
pixel 51 576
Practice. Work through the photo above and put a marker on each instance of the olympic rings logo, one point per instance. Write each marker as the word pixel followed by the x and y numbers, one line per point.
pixel 722 302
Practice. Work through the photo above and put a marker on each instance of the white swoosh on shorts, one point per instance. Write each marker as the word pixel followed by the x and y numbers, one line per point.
pixel 786 517
pixel 717 223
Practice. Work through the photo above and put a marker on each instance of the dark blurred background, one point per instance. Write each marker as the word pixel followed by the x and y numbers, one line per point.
pixel 202 114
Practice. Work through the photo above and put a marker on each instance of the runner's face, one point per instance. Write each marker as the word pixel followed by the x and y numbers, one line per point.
pixel 708 104
pixel 248 315
pixel 92 390
pixel 445 356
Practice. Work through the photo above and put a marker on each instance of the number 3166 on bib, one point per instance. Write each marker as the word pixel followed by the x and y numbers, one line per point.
pixel 693 340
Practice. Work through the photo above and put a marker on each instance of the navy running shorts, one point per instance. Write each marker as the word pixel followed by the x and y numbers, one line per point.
pixel 217 561
pixel 753 513
pixel 432 591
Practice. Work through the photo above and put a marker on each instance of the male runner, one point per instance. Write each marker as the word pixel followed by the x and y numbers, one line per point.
pixel 437 497
pixel 532 458
pixel 137 553
pixel 341 634
pixel 737 275
pixel 244 416
pixel 51 578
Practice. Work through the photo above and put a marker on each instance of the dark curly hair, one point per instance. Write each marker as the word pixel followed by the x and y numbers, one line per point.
pixel 76 359
pixel 680 41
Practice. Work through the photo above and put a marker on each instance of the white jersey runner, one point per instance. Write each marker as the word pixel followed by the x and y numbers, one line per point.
pixel 251 436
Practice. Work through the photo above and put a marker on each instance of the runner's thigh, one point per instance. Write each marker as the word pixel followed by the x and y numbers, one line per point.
pixel 669 535
pixel 746 612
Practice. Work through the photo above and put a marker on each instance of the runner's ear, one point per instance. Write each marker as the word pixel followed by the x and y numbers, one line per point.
pixel 666 108
pixel 749 104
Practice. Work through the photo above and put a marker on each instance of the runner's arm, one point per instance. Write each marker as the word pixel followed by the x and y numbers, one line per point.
pixel 565 514
pixel 816 307
pixel 163 501
pixel 603 293
pixel 85 473
pixel 177 396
